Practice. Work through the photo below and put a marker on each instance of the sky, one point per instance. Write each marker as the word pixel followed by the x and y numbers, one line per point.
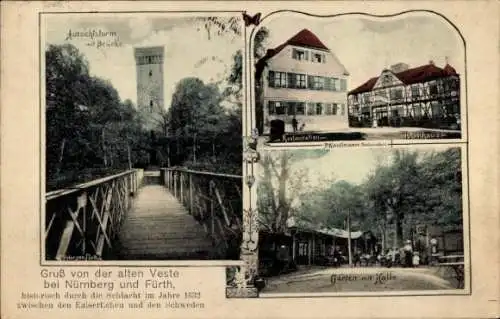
pixel 189 52
pixel 351 164
pixel 365 45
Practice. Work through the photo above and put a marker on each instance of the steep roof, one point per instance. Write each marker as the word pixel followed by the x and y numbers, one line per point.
pixel 304 38
pixel 419 74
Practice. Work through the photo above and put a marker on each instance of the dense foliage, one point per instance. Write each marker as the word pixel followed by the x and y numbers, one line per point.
pixel 90 132
pixel 414 188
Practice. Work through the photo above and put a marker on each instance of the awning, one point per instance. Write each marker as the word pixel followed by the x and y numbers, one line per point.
pixel 335 232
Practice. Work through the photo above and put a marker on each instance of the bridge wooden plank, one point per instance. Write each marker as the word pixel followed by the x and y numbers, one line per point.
pixel 159 227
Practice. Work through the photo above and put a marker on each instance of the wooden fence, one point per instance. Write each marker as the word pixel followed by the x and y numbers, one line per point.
pixel 82 222
pixel 214 200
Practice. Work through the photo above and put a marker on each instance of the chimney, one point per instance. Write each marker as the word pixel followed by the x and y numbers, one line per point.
pixel 431 62
pixel 399 67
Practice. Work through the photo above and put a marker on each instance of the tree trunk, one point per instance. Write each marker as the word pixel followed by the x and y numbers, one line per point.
pixel 282 204
pixel 384 236
pixel 194 148
pixel 399 231
pixel 349 244
pixel 61 156
pixel 129 157
pixel 168 154
pixel 104 157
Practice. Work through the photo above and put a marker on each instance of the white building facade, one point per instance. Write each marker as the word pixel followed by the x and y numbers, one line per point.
pixel 303 79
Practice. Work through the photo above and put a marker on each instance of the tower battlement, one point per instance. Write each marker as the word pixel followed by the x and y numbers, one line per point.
pixel 149 55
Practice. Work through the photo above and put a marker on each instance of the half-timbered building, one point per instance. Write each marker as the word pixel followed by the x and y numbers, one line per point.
pixel 424 96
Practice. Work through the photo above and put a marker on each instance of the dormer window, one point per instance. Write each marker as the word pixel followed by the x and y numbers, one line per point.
pixel 300 55
pixel 318 58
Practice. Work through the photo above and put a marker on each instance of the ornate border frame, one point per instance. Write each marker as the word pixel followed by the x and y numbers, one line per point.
pixel 243 281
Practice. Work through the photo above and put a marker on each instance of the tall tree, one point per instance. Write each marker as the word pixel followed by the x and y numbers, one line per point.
pixel 280 184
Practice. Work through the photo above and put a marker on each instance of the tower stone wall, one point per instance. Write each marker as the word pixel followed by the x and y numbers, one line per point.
pixel 149 70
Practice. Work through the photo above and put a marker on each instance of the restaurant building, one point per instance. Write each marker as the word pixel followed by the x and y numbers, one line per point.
pixel 423 96
pixel 302 79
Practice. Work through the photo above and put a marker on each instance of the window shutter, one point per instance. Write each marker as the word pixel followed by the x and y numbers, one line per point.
pixel 310 81
pixel 306 55
pixel 270 78
pixel 270 107
pixel 342 84
pixel 342 109
pixel 328 84
pixel 334 108
pixel 291 80
pixel 324 58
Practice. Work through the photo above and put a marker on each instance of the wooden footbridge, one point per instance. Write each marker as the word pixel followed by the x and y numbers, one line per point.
pixel 167 214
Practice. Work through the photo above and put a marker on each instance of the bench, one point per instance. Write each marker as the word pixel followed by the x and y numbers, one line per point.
pixel 456 263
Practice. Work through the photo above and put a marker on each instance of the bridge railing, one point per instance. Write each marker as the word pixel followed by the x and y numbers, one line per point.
pixel 214 200
pixel 83 221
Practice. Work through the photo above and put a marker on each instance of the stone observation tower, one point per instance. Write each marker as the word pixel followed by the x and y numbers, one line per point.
pixel 149 62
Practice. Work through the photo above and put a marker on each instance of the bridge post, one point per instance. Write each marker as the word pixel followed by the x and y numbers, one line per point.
pixel 212 208
pixel 181 180
pixel 175 184
pixel 191 193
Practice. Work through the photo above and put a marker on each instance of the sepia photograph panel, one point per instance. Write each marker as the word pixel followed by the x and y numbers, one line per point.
pixel 358 77
pixel 366 220
pixel 142 129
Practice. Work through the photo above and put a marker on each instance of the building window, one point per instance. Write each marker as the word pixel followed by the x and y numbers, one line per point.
pixel 328 109
pixel 343 85
pixel 300 81
pixel 303 249
pixel 415 92
pixel 335 84
pixel 366 98
pixel 280 108
pixel 386 80
pixel 276 108
pixel 150 73
pixel 270 79
pixel 319 109
pixel 328 84
pixel 311 109
pixel 318 83
pixel 318 58
pixel 151 105
pixel 334 108
pixel 300 55
pixel 300 109
pixel 280 79
pixel 290 108
pixel 397 94
pixel 433 90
